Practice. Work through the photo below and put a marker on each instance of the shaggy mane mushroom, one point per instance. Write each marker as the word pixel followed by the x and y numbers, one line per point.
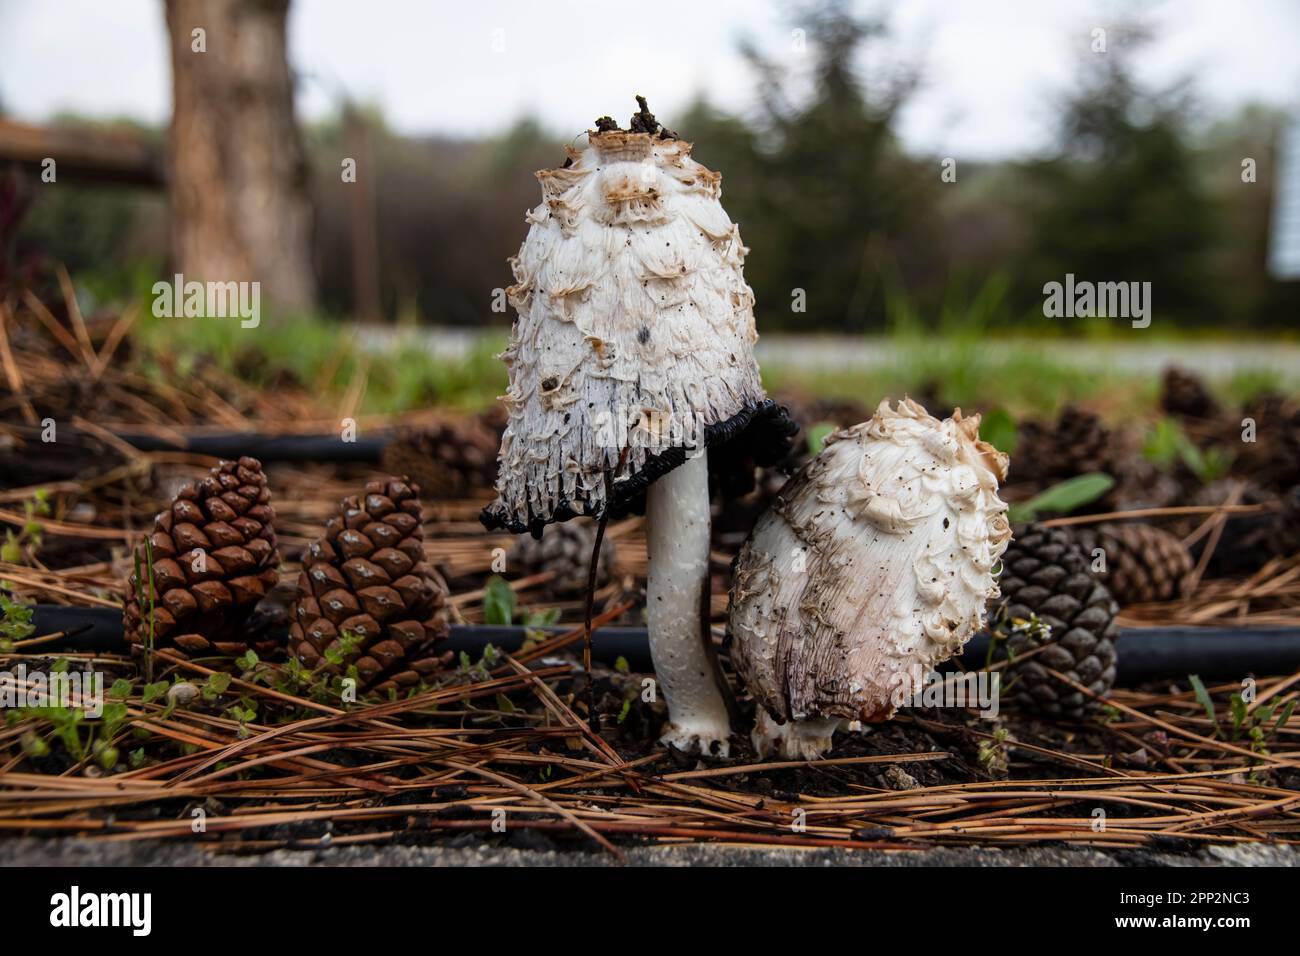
pixel 873 565
pixel 632 372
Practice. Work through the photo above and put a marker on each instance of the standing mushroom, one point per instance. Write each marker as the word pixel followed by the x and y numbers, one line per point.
pixel 632 354
pixel 873 565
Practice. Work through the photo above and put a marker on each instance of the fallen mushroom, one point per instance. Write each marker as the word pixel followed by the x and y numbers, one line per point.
pixel 872 566
pixel 632 354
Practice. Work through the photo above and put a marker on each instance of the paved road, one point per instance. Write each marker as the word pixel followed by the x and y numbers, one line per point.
pixel 1138 355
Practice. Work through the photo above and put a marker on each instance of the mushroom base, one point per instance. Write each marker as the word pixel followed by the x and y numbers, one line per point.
pixel 795 739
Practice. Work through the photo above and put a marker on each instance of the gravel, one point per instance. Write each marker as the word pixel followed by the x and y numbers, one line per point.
pixel 78 852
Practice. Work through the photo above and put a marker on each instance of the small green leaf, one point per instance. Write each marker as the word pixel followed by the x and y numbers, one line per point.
pixel 1203 696
pixel 1160 445
pixel 33 745
pixel 498 603
pixel 216 686
pixel 505 704
pixel 155 690
pixel 1063 498
pixel 113 716
pixel 1284 716
pixel 817 435
pixel 121 688
pixel 107 757
pixel 1237 704
pixel 542 618
pixel 621 665
pixel 998 428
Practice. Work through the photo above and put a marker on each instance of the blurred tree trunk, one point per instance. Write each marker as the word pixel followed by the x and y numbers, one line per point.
pixel 238 186
pixel 363 218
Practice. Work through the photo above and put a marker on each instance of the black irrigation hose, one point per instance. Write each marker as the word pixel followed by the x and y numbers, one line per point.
pixel 289 447
pixel 1145 653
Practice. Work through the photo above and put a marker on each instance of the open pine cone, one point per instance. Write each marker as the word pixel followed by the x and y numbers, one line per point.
pixel 565 549
pixel 1272 460
pixel 1046 576
pixel 1075 443
pixel 213 558
pixel 446 459
pixel 1143 562
pixel 366 595
pixel 1245 541
pixel 1183 393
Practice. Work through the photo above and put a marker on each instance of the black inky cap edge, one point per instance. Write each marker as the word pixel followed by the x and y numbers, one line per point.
pixel 760 434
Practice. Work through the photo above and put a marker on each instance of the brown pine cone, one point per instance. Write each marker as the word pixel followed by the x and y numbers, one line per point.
pixel 1185 395
pixel 495 418
pixel 1272 460
pixel 1284 537
pixel 446 459
pixel 214 558
pixel 1140 484
pixel 367 597
pixel 1076 443
pixel 1046 576
pixel 565 548
pixel 1143 563
pixel 1245 543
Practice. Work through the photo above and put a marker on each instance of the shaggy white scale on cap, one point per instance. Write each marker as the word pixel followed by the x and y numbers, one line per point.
pixel 635 328
pixel 873 566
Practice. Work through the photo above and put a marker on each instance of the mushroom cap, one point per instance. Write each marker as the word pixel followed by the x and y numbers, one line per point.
pixel 873 565
pixel 635 333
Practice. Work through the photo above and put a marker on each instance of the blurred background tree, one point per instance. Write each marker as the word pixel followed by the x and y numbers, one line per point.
pixel 1121 199
pixel 826 197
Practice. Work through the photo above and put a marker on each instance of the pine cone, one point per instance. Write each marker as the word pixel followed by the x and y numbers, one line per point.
pixel 1075 444
pixel 565 548
pixel 1140 484
pixel 1245 543
pixel 1185 395
pixel 446 459
pixel 1272 460
pixel 214 558
pixel 1143 563
pixel 366 595
pixel 495 418
pixel 1284 536
pixel 1046 575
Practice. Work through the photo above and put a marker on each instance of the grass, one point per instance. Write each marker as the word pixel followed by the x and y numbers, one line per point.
pixel 954 360
pixel 958 362
pixel 325 356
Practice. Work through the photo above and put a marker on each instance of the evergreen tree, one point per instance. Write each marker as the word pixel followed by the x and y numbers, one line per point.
pixel 823 193
pixel 1121 199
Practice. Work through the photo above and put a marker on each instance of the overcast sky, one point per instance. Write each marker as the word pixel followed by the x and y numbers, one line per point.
pixel 991 67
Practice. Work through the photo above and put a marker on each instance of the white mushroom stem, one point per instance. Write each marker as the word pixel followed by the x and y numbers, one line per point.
pixel 677 538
